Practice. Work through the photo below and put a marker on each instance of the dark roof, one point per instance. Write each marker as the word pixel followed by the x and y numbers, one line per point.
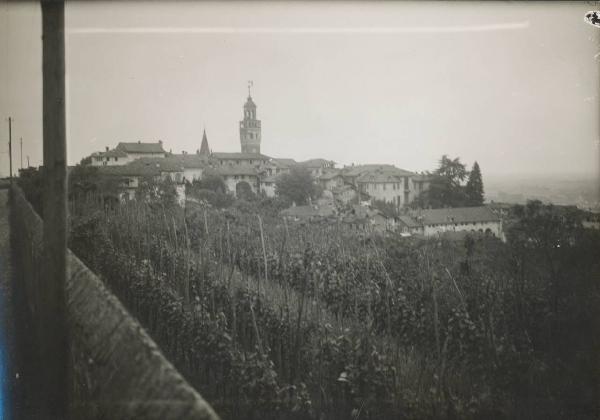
pixel 458 215
pixel 240 156
pixel 139 147
pixel 192 161
pixel 168 164
pixel 143 167
pixel 129 170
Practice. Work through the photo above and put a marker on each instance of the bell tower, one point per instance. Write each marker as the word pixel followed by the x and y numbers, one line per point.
pixel 250 127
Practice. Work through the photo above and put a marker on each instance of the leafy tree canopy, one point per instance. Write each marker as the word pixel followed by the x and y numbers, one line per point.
pixel 296 186
pixel 445 187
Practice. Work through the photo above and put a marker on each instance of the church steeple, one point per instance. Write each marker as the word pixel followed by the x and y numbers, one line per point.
pixel 204 150
pixel 250 127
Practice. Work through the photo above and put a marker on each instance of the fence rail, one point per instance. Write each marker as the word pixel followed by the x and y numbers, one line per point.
pixel 117 371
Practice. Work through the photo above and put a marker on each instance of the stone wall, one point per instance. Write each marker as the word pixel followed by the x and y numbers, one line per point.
pixel 117 371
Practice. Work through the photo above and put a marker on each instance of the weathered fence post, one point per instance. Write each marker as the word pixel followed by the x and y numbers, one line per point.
pixel 53 325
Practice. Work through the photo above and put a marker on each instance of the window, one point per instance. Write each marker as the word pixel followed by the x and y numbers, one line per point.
pixel 116 158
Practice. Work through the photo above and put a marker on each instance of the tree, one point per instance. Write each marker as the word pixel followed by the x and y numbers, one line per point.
pixel 474 187
pixel 211 181
pixel 85 180
pixel 243 191
pixel 157 192
pixel 210 189
pixel 452 170
pixel 445 187
pixel 297 186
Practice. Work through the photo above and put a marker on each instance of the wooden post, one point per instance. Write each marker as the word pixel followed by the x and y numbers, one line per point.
pixel 52 317
pixel 10 147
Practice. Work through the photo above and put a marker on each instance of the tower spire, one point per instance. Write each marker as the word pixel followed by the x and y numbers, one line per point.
pixel 250 84
pixel 204 150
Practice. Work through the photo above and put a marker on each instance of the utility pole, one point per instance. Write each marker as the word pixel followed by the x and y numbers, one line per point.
pixel 10 146
pixel 53 309
pixel 21 153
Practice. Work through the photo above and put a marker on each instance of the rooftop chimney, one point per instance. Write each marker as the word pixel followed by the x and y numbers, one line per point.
pixel 107 148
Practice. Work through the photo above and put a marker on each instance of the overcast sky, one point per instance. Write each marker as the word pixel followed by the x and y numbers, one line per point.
pixel 511 85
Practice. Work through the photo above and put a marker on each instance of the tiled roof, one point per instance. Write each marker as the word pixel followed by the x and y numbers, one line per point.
pixel 359 169
pixel 168 164
pixel 383 175
pixel 240 156
pixel 143 167
pixel 192 161
pixel 316 163
pixel 458 215
pixel 286 163
pixel 228 170
pixel 139 147
pixel 129 170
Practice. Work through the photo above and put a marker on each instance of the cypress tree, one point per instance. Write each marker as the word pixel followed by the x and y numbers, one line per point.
pixel 474 187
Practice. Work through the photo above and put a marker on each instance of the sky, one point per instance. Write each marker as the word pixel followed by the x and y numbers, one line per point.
pixel 513 86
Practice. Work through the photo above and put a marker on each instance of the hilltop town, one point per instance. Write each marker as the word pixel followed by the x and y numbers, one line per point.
pixel 348 194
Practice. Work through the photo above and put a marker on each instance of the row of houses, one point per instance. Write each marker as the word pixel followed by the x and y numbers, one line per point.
pixel 452 222
pixel 134 160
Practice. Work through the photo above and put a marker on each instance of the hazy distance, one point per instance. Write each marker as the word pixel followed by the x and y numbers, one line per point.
pixel 511 85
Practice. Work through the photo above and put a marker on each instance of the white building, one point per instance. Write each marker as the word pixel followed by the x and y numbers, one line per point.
pixel 460 219
pixel 127 152
pixel 234 175
pixel 389 184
